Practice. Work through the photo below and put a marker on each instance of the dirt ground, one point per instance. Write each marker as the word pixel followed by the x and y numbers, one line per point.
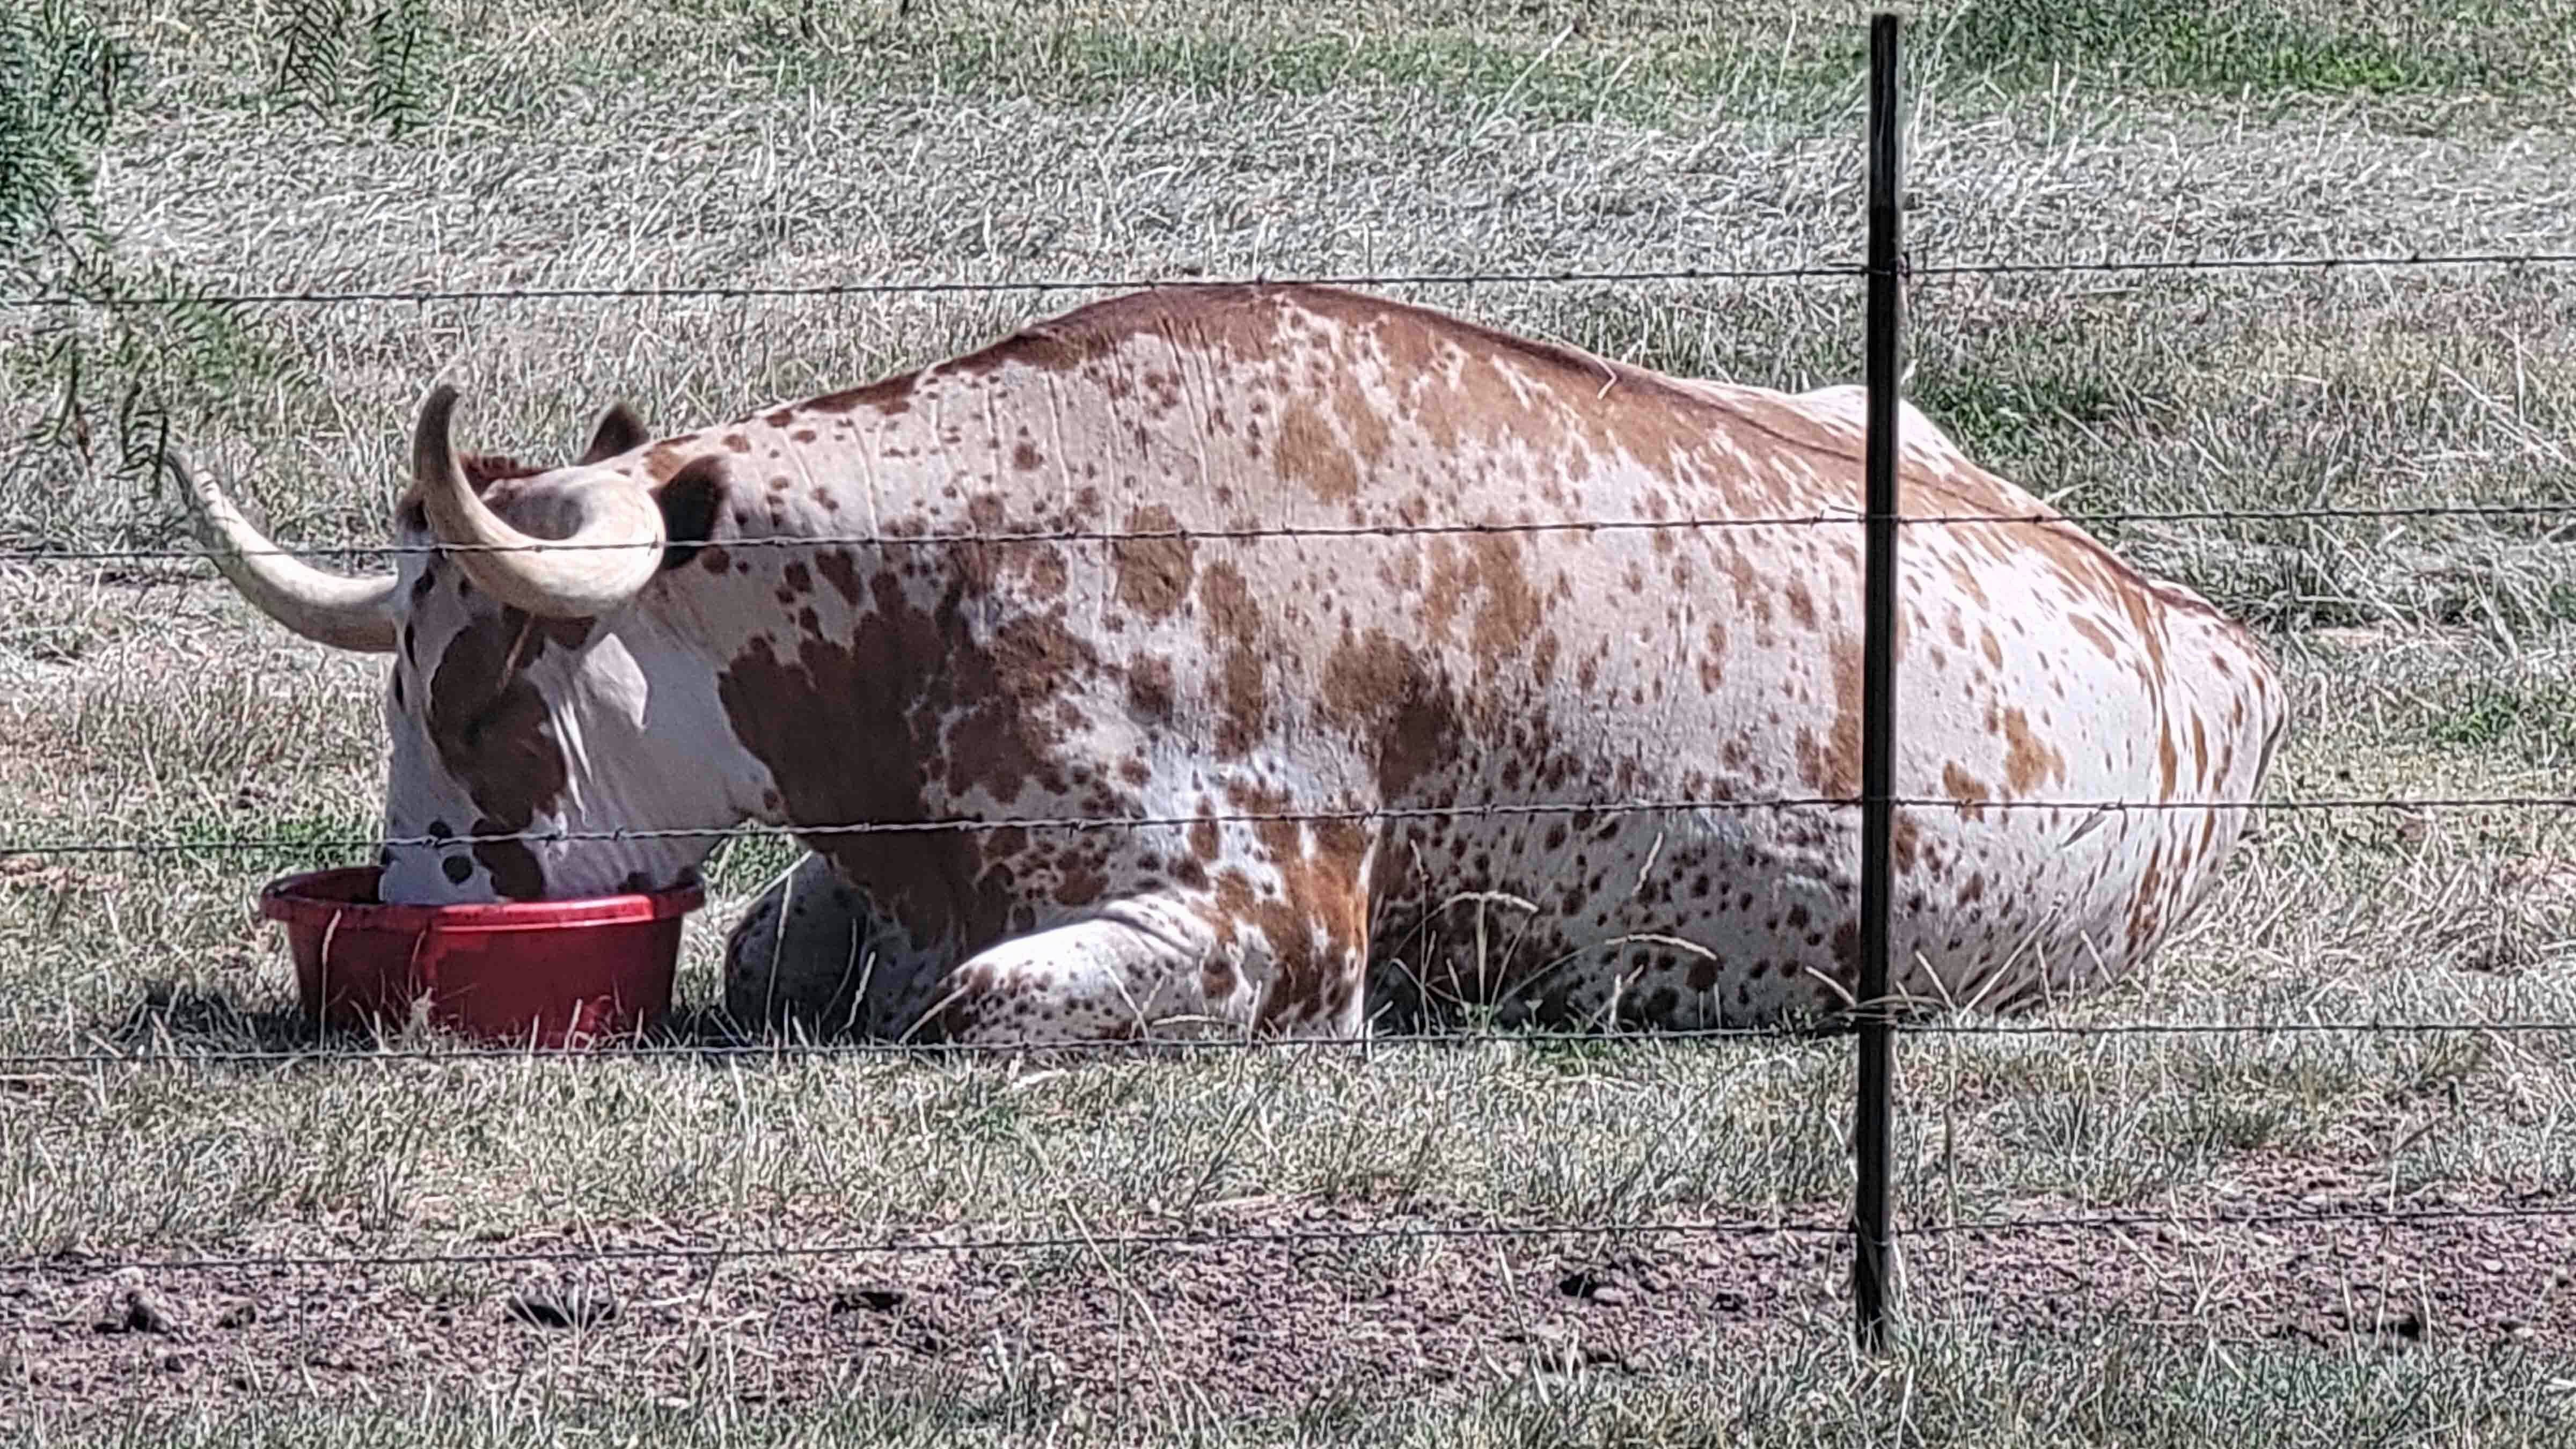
pixel 1241 1326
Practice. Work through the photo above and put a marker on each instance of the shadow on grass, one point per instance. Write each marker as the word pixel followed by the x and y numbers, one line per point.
pixel 173 1022
pixel 191 1021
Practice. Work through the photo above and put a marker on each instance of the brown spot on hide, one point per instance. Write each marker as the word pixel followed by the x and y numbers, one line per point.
pixel 1047 574
pixel 491 730
pixel 1154 574
pixel 1308 450
pixel 2027 758
pixel 1846 968
pixel 1967 789
pixel 2146 911
pixel 1149 689
pixel 1448 584
pixel 1323 869
pixel 1234 634
pixel 840 569
pixel 1712 665
pixel 1080 880
pixel 1509 619
pixel 1363 422
pixel 516 875
pixel 891 397
pixel 1831 765
pixel 2094 634
pixel 1393 706
pixel 1802 605
pixel 852 729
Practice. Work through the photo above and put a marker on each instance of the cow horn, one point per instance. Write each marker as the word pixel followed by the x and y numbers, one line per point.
pixel 342 612
pixel 619 533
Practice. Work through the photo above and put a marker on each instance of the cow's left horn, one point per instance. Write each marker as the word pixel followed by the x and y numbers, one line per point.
pixel 614 549
pixel 332 609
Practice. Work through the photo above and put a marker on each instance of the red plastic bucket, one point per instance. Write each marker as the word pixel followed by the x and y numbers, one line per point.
pixel 542 973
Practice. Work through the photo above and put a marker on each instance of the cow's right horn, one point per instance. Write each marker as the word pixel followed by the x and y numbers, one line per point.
pixel 614 549
pixel 342 612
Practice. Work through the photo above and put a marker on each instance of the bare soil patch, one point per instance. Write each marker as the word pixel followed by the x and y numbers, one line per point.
pixel 1242 1326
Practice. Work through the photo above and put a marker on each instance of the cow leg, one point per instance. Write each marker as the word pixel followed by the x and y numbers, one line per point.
pixel 1267 949
pixel 1259 926
pixel 1132 968
pixel 1163 965
pixel 809 952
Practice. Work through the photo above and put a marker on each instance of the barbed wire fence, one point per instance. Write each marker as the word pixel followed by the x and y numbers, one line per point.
pixel 1875 1020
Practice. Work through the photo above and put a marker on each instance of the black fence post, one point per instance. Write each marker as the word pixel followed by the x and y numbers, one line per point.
pixel 1873 1110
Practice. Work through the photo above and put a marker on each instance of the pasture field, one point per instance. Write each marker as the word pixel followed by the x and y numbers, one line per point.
pixel 293 147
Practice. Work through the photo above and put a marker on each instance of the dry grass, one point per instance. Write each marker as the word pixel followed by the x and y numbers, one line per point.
pixel 1957 1384
pixel 773 144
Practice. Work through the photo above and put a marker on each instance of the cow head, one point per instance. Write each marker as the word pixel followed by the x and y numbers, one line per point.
pixel 533 688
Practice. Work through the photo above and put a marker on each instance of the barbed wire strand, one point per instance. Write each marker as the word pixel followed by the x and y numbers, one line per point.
pixel 23 554
pixel 753 291
pixel 2319 261
pixel 2264 1217
pixel 713 1051
pixel 1026 1243
pixel 2383 1218
pixel 1549 277
pixel 1268 817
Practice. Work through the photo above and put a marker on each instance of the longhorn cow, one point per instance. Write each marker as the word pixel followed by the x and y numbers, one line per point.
pixel 1371 716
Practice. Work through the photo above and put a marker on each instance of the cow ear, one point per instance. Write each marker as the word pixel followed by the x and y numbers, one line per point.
pixel 618 431
pixel 691 502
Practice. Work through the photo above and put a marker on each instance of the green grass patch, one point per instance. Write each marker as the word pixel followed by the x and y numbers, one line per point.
pixel 2229 49
pixel 2055 390
pixel 287 842
pixel 2532 717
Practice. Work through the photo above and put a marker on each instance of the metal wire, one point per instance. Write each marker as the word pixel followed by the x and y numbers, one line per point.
pixel 421 296
pixel 1258 817
pixel 2373 1217
pixel 1030 1243
pixel 1288 531
pixel 725 1051
pixel 2313 261
pixel 738 1051
pixel 2412 1217
pixel 309 297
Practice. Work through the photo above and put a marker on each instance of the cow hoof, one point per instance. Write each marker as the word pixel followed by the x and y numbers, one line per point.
pixel 798 957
